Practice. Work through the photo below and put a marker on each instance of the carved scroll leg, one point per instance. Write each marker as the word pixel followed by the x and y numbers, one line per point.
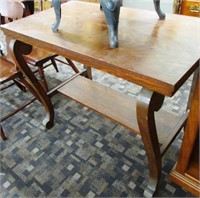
pixel 57 9
pixel 158 10
pixel 147 103
pixel 17 49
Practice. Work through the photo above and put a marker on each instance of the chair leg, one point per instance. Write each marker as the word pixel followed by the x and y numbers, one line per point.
pixel 42 78
pixel 21 87
pixel 54 64
pixel 71 64
pixel 2 133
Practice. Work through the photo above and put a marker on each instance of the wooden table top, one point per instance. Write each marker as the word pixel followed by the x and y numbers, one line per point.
pixel 158 55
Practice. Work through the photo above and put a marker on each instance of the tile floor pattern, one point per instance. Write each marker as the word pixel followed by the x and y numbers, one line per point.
pixel 84 154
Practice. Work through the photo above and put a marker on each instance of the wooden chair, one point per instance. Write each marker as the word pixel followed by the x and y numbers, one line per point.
pixel 7 67
pixel 9 73
pixel 13 10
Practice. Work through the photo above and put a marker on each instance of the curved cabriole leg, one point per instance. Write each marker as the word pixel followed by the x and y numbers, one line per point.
pixel 111 9
pixel 17 49
pixel 57 9
pixel 158 10
pixel 147 103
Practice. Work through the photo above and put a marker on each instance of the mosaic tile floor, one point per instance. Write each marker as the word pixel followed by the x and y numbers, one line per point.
pixel 84 154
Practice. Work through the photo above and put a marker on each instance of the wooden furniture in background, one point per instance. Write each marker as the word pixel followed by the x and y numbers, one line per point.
pixel 41 5
pixel 148 55
pixel 190 8
pixel 12 10
pixel 9 73
pixel 187 7
pixel 186 171
pixel 38 58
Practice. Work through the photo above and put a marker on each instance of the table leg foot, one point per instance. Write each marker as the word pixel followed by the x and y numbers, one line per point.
pixel 147 103
pixel 149 191
pixel 48 123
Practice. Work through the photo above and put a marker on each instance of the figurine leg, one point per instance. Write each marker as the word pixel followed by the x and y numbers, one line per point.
pixel 111 9
pixel 158 10
pixel 57 9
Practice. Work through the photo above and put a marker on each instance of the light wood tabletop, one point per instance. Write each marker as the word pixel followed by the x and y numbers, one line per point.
pixel 155 54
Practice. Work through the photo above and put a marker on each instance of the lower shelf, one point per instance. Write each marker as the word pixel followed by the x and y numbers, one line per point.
pixel 120 108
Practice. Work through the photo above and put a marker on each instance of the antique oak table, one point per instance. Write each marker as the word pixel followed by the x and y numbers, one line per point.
pixel 157 55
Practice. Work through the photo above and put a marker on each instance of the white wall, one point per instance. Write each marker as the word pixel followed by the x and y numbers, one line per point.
pixel 166 5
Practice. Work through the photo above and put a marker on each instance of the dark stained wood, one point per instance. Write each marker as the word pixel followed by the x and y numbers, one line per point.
pixel 150 51
pixel 39 59
pixel 18 50
pixel 147 103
